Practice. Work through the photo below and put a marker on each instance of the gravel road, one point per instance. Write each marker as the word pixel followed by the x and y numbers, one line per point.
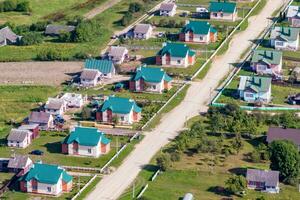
pixel 113 185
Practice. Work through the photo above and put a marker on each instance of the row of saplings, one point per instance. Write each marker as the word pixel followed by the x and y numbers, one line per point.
pixel 282 155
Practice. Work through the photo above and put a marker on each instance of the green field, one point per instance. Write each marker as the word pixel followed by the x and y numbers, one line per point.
pixel 45 9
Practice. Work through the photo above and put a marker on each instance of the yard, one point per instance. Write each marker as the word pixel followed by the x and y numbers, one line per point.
pixel 50 144
pixel 78 182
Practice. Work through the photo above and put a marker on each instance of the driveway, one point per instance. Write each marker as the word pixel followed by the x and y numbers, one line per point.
pixel 113 185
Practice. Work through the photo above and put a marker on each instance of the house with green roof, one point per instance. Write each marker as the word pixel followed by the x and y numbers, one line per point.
pixel 86 141
pixel 123 110
pixel 46 179
pixel 95 70
pixel 175 54
pixel 220 10
pixel 267 62
pixel 199 32
pixel 285 38
pixel 150 79
pixel 255 89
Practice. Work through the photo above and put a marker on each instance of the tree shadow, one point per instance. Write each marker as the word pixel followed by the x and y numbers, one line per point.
pixel 238 171
pixel 54 147
pixel 150 168
pixel 256 141
pixel 148 60
pixel 231 93
pixel 218 190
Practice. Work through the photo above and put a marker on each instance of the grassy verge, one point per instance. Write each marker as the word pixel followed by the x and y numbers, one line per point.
pixel 90 188
pixel 175 102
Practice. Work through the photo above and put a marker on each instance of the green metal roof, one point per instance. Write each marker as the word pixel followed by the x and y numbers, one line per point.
pixel 120 105
pixel 267 56
pixel 45 173
pixel 225 7
pixel 198 27
pixel 151 74
pixel 104 66
pixel 255 83
pixel 285 33
pixel 176 50
pixel 86 136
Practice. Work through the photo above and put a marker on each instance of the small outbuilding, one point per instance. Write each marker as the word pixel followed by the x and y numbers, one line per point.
pixel 55 30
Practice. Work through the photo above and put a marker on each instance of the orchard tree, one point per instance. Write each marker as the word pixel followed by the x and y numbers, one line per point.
pixel 235 184
pixel 285 158
pixel 163 162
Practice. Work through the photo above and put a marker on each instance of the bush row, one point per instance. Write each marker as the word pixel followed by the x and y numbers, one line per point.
pixel 14 5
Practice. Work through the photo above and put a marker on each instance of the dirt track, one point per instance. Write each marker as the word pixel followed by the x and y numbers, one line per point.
pixel 38 73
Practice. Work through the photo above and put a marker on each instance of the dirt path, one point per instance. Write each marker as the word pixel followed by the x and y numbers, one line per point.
pixel 38 73
pixel 101 8
pixel 113 185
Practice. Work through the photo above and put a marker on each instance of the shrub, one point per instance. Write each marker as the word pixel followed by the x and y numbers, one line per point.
pixel 23 7
pixel 65 37
pixel 135 7
pixel 235 184
pixel 31 38
pixel 255 156
pixel 126 19
pixel 9 5
pixel 49 55
pixel 175 157
pixel 14 5
pixel 39 26
pixel 87 31
pixel 163 162
pixel 81 55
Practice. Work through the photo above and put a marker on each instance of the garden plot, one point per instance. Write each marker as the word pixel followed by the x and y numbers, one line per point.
pixel 38 73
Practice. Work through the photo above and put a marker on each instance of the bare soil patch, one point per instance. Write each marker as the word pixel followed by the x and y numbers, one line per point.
pixel 38 73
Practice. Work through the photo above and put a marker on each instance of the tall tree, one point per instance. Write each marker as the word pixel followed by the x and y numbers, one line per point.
pixel 285 158
pixel 235 184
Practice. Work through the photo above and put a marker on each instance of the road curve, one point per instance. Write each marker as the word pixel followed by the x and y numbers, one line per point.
pixel 113 185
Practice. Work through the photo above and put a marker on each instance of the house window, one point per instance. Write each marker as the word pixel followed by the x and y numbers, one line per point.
pixel 154 87
pixel 201 38
pixel 261 67
pixel 279 43
pixel 178 61
pixel 34 187
pixel 49 189
pixel 215 14
pixel 221 14
pixel 122 118
pixel 249 95
pixel 89 150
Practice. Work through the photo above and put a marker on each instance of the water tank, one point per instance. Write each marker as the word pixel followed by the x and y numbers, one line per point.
pixel 188 196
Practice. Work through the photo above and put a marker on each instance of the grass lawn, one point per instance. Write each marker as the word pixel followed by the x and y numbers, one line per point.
pixel 280 93
pixel 77 184
pixel 17 101
pixel 175 102
pixel 40 8
pixel 50 144
pixel 89 189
